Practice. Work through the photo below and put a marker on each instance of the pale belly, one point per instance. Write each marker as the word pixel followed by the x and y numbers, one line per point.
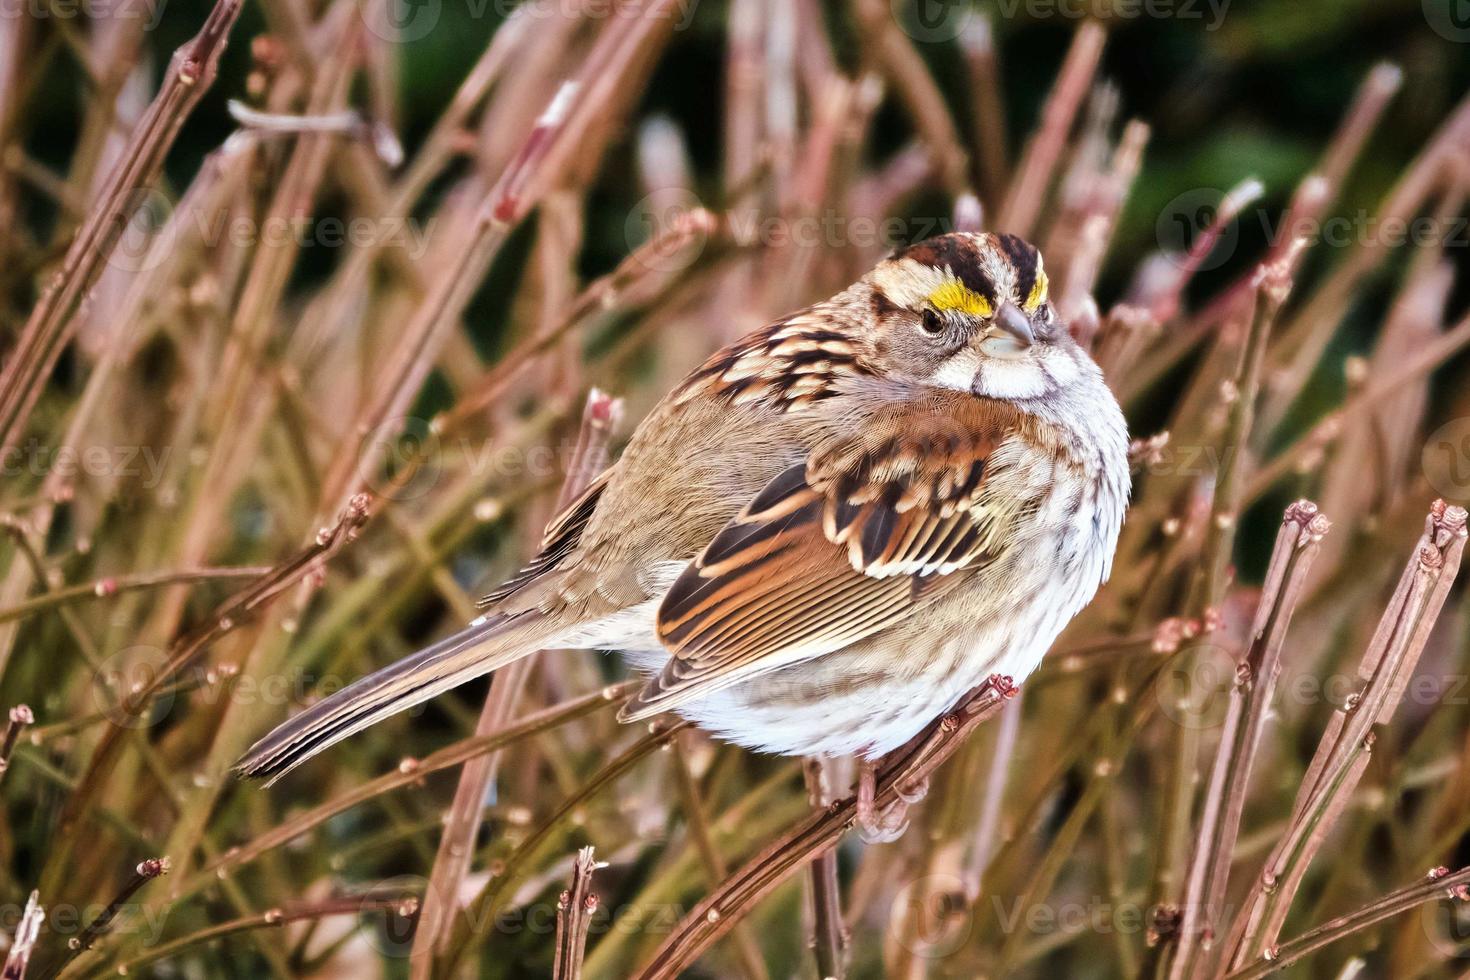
pixel 873 696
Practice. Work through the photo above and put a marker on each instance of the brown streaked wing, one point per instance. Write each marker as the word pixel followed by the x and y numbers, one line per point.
pixel 836 549
pixel 561 538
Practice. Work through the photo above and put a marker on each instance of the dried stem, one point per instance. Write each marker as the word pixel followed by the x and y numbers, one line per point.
pixel 574 910
pixel 599 417
pixel 715 867
pixel 145 872
pixel 187 649
pixel 23 943
pixel 990 138
pixel 829 940
pixel 1297 545
pixel 1344 750
pixel 599 296
pixel 410 771
pixel 1316 439
pixel 190 74
pixel 1273 285
pixel 724 907
pixel 1038 164
pixel 115 585
pixel 20 717
pixel 269 919
pixel 486 906
pixel 1438 885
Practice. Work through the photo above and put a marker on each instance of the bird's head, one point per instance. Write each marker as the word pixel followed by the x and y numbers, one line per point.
pixel 969 311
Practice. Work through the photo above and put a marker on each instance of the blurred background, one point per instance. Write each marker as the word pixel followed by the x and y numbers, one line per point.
pixel 311 311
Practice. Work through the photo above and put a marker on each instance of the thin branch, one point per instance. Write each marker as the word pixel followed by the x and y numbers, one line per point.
pixel 820 832
pixel 601 295
pixel 715 867
pixel 1308 447
pixel 1038 163
pixel 409 772
pixel 145 872
pixel 1297 545
pixel 23 943
pixel 574 910
pixel 1273 284
pixel 404 905
pixel 1438 885
pixel 482 912
pixel 190 73
pixel 20 717
pixel 600 416
pixel 829 938
pixel 186 650
pixel 1343 753
pixel 116 585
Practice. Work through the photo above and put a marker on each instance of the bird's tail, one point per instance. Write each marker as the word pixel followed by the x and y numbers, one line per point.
pixel 484 646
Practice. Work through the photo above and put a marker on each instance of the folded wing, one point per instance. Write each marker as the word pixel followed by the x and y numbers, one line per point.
pixel 833 550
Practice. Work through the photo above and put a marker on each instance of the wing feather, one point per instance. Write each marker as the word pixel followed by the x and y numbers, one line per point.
pixel 864 532
pixel 561 538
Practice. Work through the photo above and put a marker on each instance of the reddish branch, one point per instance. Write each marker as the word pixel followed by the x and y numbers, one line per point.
pixel 818 834
pixel 574 912
pixel 190 73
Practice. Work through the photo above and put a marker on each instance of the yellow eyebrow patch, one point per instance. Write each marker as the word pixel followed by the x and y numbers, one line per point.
pixel 955 295
pixel 1038 292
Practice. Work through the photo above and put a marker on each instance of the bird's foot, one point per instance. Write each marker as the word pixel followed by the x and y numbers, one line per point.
pixel 913 792
pixel 880 825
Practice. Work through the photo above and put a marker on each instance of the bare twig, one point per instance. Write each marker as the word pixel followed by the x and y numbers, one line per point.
pixel 1344 750
pixel 574 917
pixel 1439 884
pixel 187 649
pixel 115 585
pixel 145 872
pixel 486 905
pixel 190 74
pixel 23 943
pixel 403 905
pixel 410 771
pixel 720 910
pixel 1038 164
pixel 20 717
pixel 1250 700
pixel 599 417
pixel 714 863
pixel 829 940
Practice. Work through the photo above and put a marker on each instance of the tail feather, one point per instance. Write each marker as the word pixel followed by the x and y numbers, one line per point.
pixel 484 646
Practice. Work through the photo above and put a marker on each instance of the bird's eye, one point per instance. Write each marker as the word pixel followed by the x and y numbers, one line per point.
pixel 931 321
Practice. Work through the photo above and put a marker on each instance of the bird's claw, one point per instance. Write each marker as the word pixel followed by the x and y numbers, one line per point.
pixel 886 824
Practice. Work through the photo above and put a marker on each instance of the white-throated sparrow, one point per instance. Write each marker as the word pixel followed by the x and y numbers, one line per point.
pixel 830 531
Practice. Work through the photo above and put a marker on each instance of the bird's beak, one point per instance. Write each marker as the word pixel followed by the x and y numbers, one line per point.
pixel 1014 322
